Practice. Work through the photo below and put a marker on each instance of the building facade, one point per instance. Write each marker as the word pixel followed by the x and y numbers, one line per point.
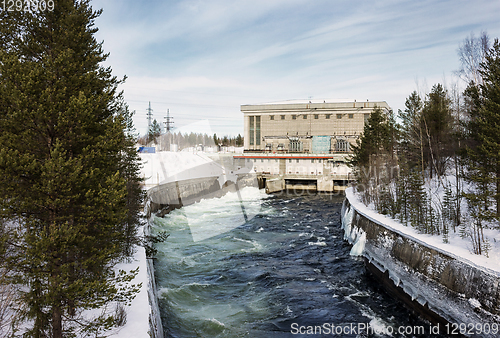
pixel 305 127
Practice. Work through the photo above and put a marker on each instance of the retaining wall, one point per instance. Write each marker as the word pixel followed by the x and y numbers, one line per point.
pixel 165 197
pixel 155 325
pixel 442 288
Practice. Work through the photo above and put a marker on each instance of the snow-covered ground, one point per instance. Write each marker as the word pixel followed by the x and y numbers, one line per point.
pixel 137 325
pixel 457 247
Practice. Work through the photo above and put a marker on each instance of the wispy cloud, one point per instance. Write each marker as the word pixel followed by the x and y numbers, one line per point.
pixel 202 59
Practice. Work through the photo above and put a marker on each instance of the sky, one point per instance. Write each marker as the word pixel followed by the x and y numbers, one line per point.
pixel 203 59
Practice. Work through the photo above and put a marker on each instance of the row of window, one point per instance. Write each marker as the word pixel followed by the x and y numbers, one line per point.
pixel 297 146
pixel 316 116
pixel 289 160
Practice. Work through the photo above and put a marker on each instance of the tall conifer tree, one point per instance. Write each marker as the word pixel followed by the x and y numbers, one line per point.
pixel 68 176
pixel 483 153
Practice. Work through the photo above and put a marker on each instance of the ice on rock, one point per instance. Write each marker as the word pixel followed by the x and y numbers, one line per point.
pixel 394 278
pixel 474 303
pixel 410 291
pixel 359 245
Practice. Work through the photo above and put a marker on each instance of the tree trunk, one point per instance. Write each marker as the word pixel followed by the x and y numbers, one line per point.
pixel 57 322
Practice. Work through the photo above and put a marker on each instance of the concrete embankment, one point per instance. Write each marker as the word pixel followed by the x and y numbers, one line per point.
pixel 443 288
pixel 155 325
pixel 172 195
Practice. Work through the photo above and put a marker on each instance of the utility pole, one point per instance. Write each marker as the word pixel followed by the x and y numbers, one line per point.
pixel 149 116
pixel 168 122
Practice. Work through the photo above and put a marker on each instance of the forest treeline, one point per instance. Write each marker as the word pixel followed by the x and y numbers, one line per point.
pixel 436 164
pixel 156 136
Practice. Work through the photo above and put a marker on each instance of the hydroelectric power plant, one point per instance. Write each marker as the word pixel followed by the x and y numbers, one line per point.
pixel 298 258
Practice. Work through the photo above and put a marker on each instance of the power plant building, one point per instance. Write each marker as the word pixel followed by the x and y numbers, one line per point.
pixel 305 127
pixel 303 144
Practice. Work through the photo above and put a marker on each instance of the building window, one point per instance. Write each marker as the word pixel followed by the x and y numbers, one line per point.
pixel 271 117
pixel 297 160
pixel 316 116
pixel 262 160
pixel 257 130
pixel 312 160
pixel 339 116
pixel 252 129
pixel 295 145
pixel 304 117
pixel 327 116
pixel 294 117
pixel 351 116
pixel 290 160
pixel 319 161
pixel 342 146
pixel 282 117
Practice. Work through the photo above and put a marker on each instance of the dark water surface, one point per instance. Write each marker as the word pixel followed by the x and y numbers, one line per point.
pixel 285 271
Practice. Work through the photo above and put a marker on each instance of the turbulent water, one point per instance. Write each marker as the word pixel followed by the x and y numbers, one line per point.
pixel 254 265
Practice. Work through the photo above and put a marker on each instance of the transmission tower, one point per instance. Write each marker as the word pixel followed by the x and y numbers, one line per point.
pixel 149 116
pixel 168 122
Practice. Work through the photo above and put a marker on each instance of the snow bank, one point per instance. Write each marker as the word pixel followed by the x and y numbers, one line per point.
pixel 137 325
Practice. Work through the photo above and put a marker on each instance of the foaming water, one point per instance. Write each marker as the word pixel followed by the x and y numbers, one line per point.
pixel 264 264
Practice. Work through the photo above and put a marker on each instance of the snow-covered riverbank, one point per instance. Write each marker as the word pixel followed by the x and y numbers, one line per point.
pixel 456 247
pixel 444 282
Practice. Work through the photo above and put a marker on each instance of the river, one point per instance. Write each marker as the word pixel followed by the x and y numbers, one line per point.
pixel 256 265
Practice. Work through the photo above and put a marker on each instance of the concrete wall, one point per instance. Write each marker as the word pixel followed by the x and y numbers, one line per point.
pixel 442 288
pixel 155 324
pixel 166 197
pixel 275 185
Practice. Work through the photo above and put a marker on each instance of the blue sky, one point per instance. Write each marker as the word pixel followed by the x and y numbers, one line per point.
pixel 203 59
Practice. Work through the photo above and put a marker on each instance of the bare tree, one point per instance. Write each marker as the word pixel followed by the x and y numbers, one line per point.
pixel 471 53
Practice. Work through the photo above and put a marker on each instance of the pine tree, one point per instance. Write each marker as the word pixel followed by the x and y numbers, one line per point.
pixel 372 155
pixel 483 152
pixel 239 141
pixel 437 123
pixel 154 131
pixel 412 135
pixel 67 173
pixel 417 201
